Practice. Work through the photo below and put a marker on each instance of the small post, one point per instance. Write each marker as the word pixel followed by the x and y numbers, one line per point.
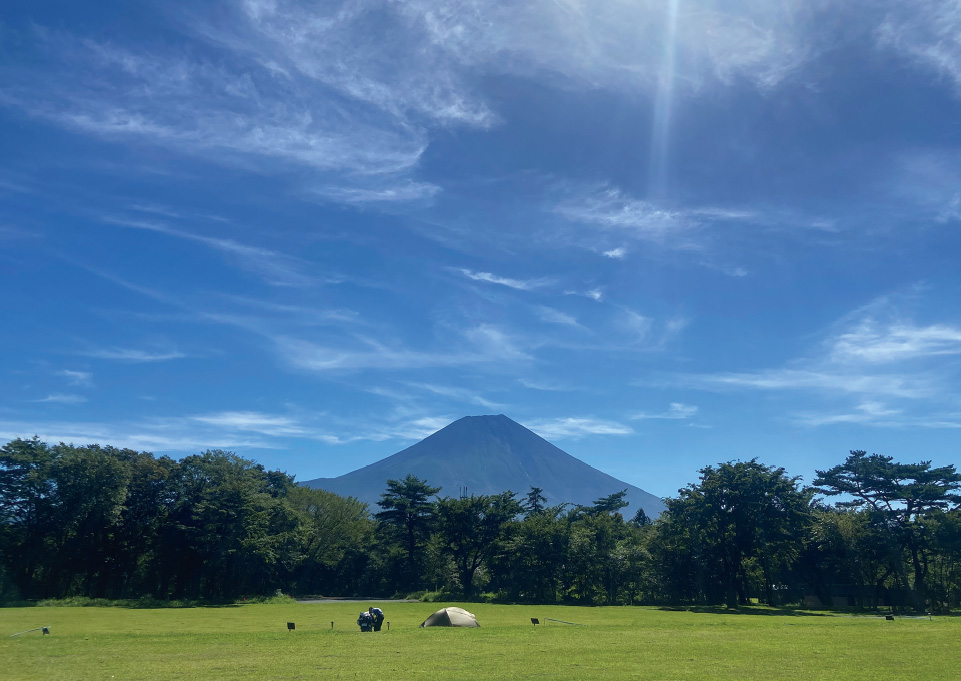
pixel 290 626
pixel 331 625
pixel 388 626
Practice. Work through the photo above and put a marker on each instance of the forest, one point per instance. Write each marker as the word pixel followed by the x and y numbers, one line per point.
pixel 101 522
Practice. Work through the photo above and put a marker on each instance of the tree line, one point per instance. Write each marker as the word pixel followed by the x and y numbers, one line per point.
pixel 104 522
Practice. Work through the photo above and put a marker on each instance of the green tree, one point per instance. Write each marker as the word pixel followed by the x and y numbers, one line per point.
pixel 231 531
pixel 90 489
pixel 469 530
pixel 26 520
pixel 534 554
pixel 535 502
pixel 339 534
pixel 407 509
pixel 742 519
pixel 845 548
pixel 898 497
pixel 611 504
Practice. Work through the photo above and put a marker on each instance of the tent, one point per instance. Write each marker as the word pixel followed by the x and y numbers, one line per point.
pixel 451 617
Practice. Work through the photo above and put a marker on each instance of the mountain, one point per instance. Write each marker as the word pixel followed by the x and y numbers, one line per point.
pixel 489 455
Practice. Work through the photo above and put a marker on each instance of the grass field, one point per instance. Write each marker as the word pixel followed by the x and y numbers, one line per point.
pixel 252 642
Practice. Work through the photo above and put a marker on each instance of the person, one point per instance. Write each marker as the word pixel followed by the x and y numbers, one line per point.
pixel 378 616
pixel 366 621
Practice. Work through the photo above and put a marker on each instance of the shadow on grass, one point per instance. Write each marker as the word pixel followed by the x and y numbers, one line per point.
pixel 746 610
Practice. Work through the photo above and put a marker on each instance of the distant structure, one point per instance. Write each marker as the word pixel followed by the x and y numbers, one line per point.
pixel 489 455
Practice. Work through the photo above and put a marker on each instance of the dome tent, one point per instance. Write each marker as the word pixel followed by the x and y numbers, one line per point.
pixel 451 617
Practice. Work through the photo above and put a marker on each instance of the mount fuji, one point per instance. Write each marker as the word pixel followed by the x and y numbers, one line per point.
pixel 489 455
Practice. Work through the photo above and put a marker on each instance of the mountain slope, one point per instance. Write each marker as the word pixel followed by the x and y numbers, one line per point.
pixel 488 455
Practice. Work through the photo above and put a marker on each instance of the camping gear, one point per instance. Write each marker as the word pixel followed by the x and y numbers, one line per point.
pixel 366 621
pixel 378 616
pixel 451 617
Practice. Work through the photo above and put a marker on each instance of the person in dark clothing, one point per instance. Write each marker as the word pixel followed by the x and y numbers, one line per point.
pixel 378 616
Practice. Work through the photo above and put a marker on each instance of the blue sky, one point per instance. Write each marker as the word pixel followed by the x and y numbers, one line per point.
pixel 660 234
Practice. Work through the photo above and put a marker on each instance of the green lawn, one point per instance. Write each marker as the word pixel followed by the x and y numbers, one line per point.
pixel 252 642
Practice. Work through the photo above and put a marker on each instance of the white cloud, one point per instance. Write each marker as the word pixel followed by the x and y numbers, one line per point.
pixel 519 284
pixel 878 415
pixel 226 107
pixel 928 33
pixel 134 354
pixel 333 43
pixel 487 345
pixel 595 294
pixel 905 386
pixel 316 357
pixel 872 353
pixel 138 436
pixel 275 268
pixel 675 411
pixel 459 394
pixel 637 325
pixel 639 218
pixel 384 194
pixel 877 343
pixel 575 427
pixel 267 424
pixel 553 316
pixel 419 428
pixel 63 398
pixel 495 344
pixel 83 379
pixel 616 253
pixel 618 45
pixel 542 385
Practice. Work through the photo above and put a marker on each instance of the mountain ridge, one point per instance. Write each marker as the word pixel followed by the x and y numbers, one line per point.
pixel 487 455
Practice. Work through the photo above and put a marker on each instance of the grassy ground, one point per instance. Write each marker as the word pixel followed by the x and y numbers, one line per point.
pixel 252 642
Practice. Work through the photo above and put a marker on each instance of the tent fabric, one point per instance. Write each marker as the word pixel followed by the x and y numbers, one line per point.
pixel 451 617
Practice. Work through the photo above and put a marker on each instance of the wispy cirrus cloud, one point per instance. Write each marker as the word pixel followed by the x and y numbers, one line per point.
pixel 463 395
pixel 519 284
pixel 926 33
pixel 377 195
pixel 546 386
pixel 820 379
pixel 872 354
pixel 228 107
pixel 877 343
pixel 620 45
pixel 275 268
pixel 596 294
pixel 83 379
pixel 636 325
pixel 63 398
pixel 675 411
pixel 554 316
pixel 576 427
pixel 258 422
pixel 238 430
pixel 486 344
pixel 134 354
pixel 878 415
pixel 315 86
pixel 639 218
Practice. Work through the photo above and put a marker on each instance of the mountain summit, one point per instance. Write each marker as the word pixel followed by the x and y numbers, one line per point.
pixel 489 455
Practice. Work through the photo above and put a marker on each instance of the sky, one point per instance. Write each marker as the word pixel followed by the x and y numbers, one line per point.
pixel 661 234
